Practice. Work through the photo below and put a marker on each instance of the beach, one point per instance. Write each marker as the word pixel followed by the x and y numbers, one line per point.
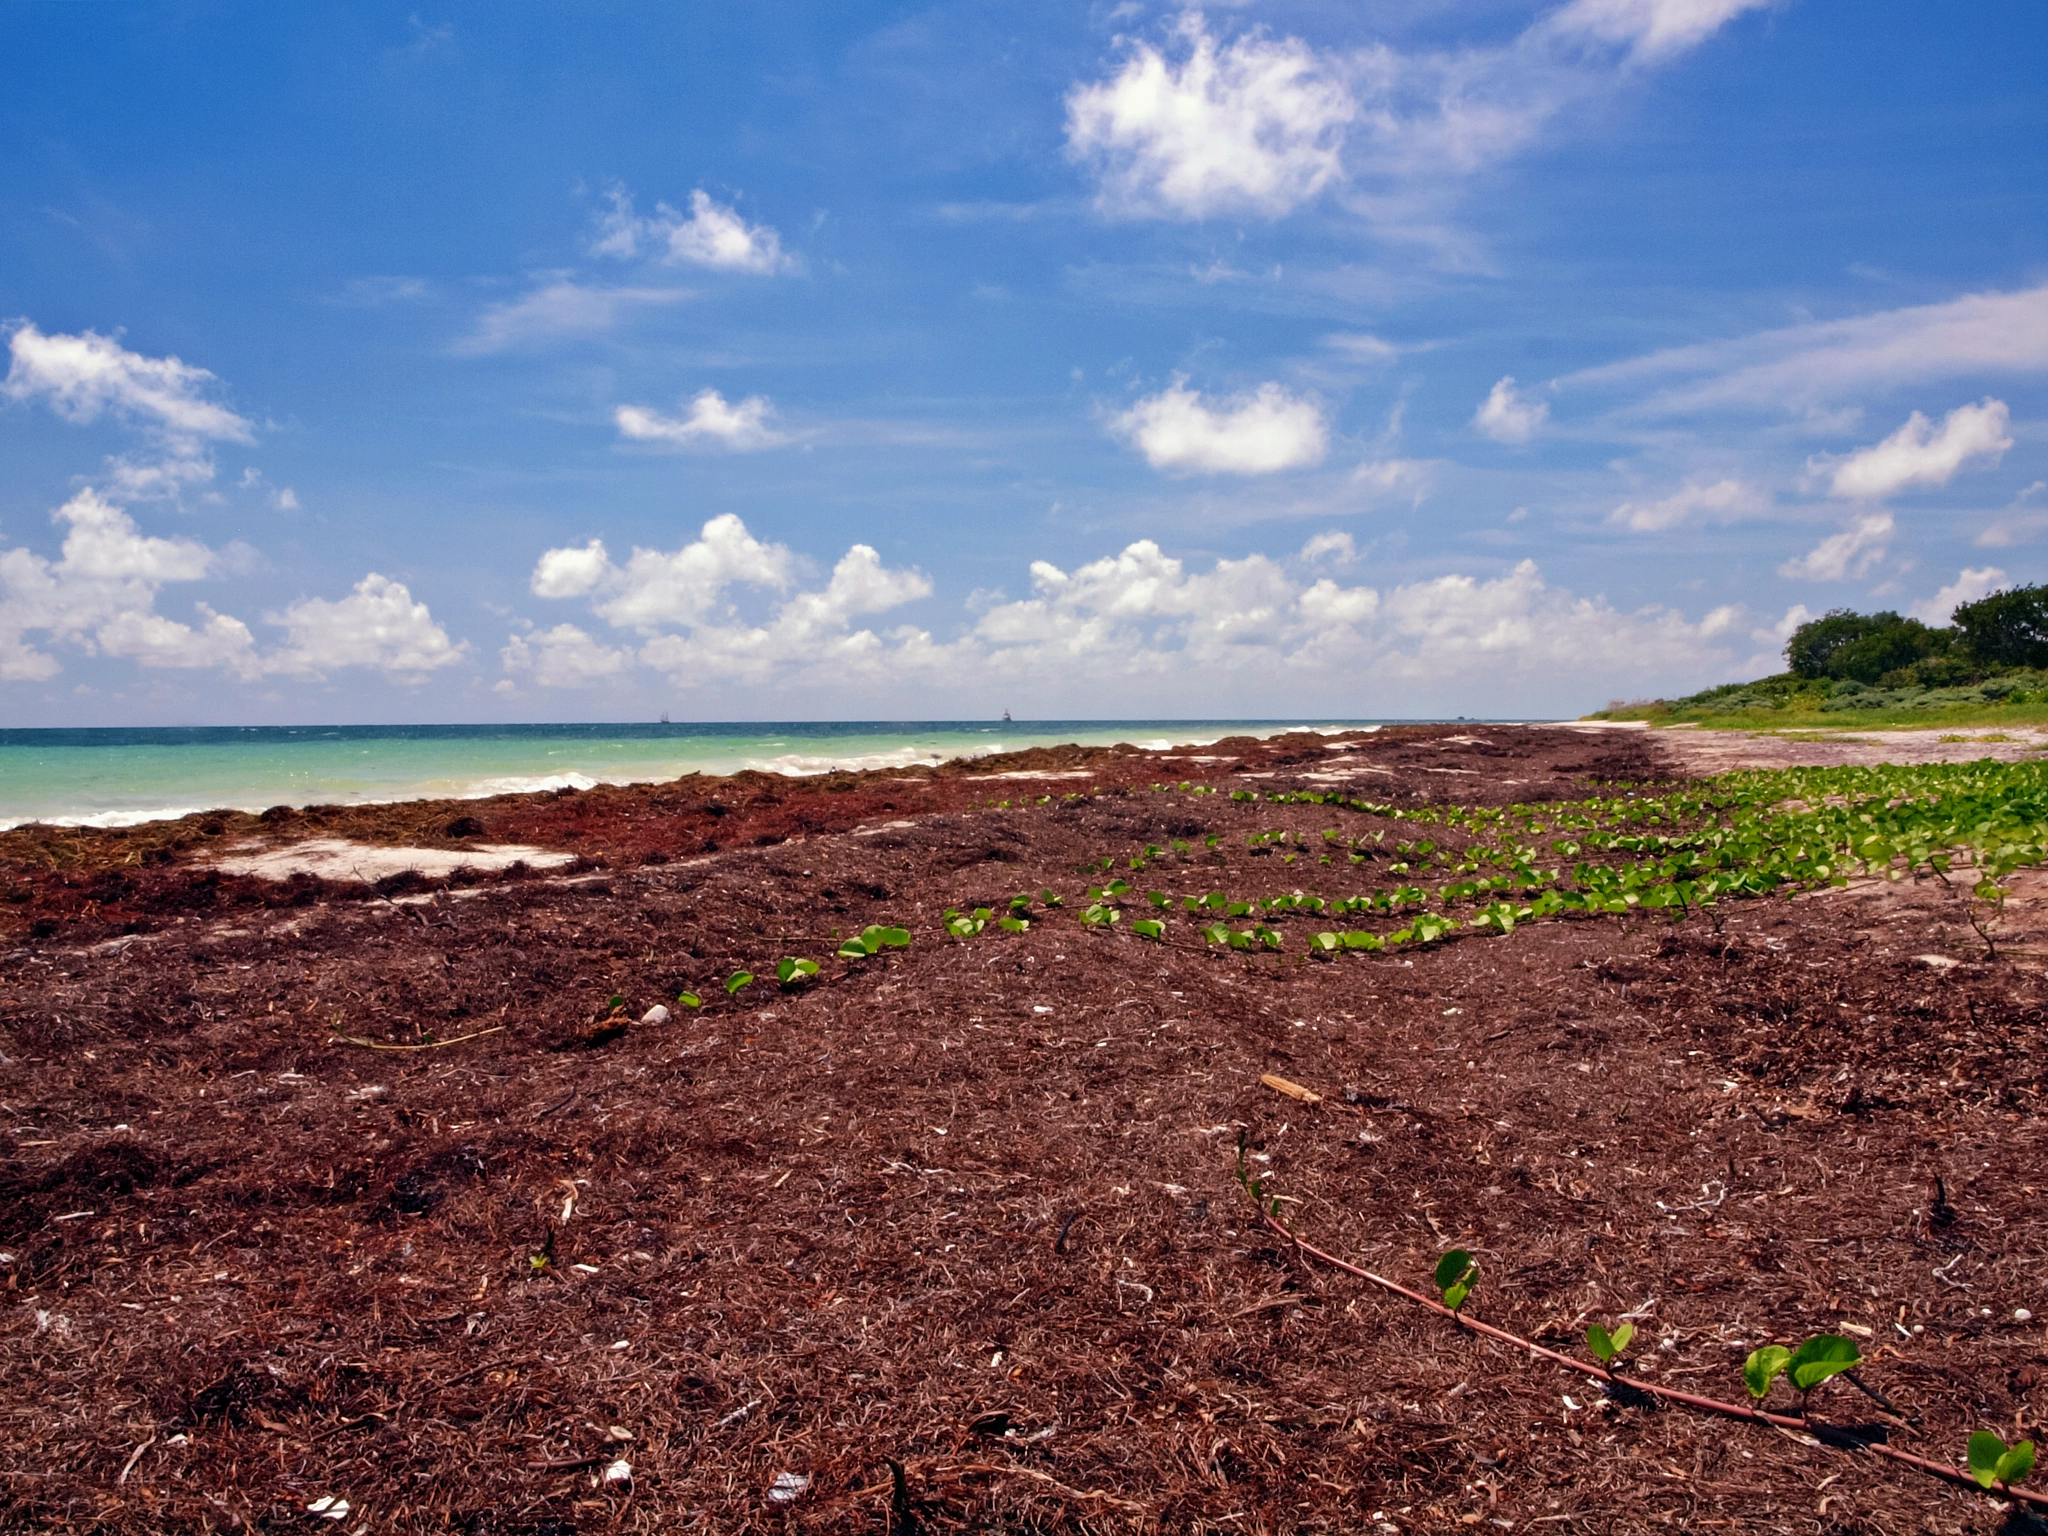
pixel 473 1187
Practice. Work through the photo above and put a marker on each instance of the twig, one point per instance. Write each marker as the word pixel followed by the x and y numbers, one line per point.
pixel 429 1045
pixel 122 1480
pixel 1840 1439
pixel 1042 1477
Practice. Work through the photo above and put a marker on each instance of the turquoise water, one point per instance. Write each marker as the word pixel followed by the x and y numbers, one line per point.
pixel 121 777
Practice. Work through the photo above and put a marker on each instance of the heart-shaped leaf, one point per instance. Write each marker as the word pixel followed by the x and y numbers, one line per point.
pixel 1456 1272
pixel 1762 1368
pixel 1825 1355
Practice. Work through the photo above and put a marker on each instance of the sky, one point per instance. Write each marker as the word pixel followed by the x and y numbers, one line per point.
pixel 522 361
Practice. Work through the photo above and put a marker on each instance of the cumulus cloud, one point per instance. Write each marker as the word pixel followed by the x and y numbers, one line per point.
pixel 557 311
pixel 379 625
pixel 1919 454
pixel 564 657
pixel 1844 556
pixel 681 602
pixel 84 375
pixel 1142 612
pixel 655 589
pixel 1252 127
pixel 1803 367
pixel 709 422
pixel 1255 433
pixel 1506 417
pixel 100 596
pixel 1968 586
pixel 1202 125
pixel 1721 501
pixel 713 235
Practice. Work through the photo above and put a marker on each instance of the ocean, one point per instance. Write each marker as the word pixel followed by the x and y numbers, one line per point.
pixel 120 777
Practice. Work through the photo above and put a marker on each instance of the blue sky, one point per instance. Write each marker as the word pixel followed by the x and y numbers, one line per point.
pixel 529 362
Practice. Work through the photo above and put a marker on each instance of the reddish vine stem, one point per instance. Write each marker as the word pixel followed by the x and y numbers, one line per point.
pixel 1666 1394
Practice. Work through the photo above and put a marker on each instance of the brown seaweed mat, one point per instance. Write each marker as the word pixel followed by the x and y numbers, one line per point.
pixel 951 1238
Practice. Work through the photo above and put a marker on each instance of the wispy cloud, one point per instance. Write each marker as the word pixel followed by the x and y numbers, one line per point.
pixel 1798 367
pixel 1720 501
pixel 558 311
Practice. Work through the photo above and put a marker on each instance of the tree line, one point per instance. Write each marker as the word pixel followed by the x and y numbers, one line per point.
pixel 2001 633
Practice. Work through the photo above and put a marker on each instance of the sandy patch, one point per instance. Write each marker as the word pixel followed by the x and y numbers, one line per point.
pixel 1706 752
pixel 1033 773
pixel 333 858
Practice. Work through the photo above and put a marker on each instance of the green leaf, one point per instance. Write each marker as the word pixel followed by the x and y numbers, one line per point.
pixel 1216 933
pixel 690 1000
pixel 891 938
pixel 618 1001
pixel 1762 1368
pixel 1827 1354
pixel 854 949
pixel 1051 899
pixel 2016 1463
pixel 739 979
pixel 1456 1272
pixel 1158 898
pixel 794 973
pixel 1606 1347
pixel 1147 928
pixel 1015 924
pixel 1986 1451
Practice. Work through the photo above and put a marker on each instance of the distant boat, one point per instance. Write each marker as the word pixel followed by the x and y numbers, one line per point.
pixel 664 717
pixel 1006 716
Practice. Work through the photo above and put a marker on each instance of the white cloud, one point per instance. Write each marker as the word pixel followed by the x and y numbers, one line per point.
pixel 1650 29
pixel 100 596
pixel 1362 347
pixel 1337 545
pixel 1506 417
pixel 378 625
pixel 1143 613
pixel 655 590
pixel 710 422
pixel 1207 126
pixel 1252 127
pixel 1721 501
pixel 1968 586
pixel 1917 454
pixel 2025 518
pixel 810 634
pixel 713 235
pixel 1396 477
pixel 1256 433
pixel 1801 367
pixel 560 310
pixel 564 657
pixel 84 375
pixel 1844 556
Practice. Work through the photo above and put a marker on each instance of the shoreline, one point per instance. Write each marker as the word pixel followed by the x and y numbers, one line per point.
pixel 255 769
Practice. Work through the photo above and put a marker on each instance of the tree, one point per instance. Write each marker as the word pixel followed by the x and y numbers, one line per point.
pixel 1844 644
pixel 2007 629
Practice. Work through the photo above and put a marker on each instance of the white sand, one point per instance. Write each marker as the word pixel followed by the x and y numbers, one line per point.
pixel 333 858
